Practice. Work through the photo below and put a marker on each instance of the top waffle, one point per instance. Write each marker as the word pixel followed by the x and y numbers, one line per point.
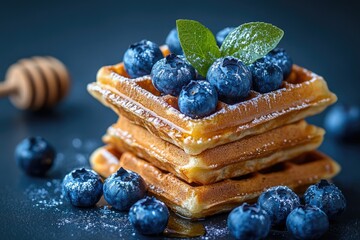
pixel 302 94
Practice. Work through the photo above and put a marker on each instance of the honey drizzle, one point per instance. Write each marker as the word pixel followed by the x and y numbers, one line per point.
pixel 182 228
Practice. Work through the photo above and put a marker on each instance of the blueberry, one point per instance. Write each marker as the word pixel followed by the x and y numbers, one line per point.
pixel 173 42
pixel 171 73
pixel 149 216
pixel 343 122
pixel 123 188
pixel 280 57
pixel 198 99
pixel 278 202
pixel 35 156
pixel 248 222
pixel 307 222
pixel 222 34
pixel 82 187
pixel 267 76
pixel 327 197
pixel 141 57
pixel 231 78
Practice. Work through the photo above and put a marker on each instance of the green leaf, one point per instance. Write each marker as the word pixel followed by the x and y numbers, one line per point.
pixel 198 43
pixel 251 41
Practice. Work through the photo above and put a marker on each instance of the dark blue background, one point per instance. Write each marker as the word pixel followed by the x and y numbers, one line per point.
pixel 323 36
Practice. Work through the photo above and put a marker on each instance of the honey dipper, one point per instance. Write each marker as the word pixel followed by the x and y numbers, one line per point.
pixel 36 83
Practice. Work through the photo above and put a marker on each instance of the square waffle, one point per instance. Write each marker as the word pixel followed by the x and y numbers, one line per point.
pixel 226 161
pixel 198 201
pixel 302 94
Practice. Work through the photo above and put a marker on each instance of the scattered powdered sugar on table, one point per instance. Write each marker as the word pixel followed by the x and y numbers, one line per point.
pixel 46 196
pixel 93 220
pixel 215 231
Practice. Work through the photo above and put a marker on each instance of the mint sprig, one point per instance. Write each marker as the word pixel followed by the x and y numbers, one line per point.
pixel 198 43
pixel 251 41
pixel 248 42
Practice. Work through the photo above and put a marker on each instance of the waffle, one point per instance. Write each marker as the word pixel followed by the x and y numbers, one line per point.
pixel 302 94
pixel 198 201
pixel 229 160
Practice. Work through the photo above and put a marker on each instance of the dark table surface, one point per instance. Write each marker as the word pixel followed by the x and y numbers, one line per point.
pixel 323 37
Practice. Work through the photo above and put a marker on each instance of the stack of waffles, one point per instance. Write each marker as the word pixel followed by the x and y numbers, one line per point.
pixel 200 167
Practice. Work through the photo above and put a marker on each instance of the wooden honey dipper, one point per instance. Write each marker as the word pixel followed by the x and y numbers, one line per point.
pixel 36 83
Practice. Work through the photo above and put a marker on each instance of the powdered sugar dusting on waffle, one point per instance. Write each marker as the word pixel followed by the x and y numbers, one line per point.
pixel 118 77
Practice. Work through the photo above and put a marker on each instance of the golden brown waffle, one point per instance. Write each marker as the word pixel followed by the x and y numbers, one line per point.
pixel 229 160
pixel 198 201
pixel 303 94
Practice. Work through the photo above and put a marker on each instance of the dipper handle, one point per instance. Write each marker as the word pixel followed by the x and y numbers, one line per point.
pixel 6 89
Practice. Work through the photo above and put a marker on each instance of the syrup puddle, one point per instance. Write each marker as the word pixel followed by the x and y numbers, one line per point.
pixel 181 228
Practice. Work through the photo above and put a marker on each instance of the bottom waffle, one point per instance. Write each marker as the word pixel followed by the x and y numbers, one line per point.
pixel 199 201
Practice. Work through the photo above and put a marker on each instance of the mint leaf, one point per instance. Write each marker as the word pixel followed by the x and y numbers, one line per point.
pixel 251 41
pixel 198 43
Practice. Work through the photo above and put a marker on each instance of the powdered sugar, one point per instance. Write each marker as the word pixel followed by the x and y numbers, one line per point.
pixel 216 231
pixel 95 220
pixel 48 195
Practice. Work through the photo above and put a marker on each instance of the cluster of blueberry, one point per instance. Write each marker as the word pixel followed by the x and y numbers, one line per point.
pixel 228 79
pixel 124 191
pixel 281 206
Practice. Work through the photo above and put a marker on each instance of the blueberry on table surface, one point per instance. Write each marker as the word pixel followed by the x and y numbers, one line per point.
pixel 82 187
pixel 231 79
pixel 267 76
pixel 123 188
pixel 173 42
pixel 248 222
pixel 35 156
pixel 149 216
pixel 280 57
pixel 278 202
pixel 307 222
pixel 343 122
pixel 171 73
pixel 222 34
pixel 140 57
pixel 198 99
pixel 327 197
